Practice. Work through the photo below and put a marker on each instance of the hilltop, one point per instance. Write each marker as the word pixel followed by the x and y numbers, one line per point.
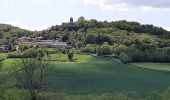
pixel 128 41
pixel 84 25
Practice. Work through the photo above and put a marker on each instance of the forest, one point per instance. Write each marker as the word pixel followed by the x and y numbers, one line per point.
pixel 127 41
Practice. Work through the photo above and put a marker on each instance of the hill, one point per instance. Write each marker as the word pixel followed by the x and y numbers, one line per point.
pixel 128 41
pixel 13 31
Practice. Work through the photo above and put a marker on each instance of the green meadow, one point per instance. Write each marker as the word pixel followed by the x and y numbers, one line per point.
pixel 153 66
pixel 91 75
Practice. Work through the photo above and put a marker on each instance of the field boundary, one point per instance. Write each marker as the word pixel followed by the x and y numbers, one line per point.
pixel 156 70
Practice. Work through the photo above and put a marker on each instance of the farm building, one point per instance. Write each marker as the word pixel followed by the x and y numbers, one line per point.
pixel 44 43
pixel 50 43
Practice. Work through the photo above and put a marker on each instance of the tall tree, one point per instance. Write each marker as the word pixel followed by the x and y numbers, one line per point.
pixel 1 62
pixel 30 74
pixel 1 79
pixel 70 55
pixel 81 21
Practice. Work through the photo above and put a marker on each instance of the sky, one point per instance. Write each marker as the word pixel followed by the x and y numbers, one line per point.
pixel 41 14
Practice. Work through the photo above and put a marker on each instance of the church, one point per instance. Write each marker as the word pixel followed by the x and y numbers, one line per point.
pixel 71 26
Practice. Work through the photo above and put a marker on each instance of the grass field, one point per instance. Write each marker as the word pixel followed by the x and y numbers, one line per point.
pixel 64 58
pixel 88 75
pixel 154 66
pixel 104 75
pixel 3 55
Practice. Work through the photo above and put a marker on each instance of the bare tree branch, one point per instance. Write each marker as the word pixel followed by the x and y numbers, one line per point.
pixel 30 73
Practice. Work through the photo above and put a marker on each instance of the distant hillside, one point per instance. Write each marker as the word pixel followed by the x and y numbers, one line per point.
pixel 13 31
pixel 121 25
pixel 128 41
pixel 139 28
pixel 90 24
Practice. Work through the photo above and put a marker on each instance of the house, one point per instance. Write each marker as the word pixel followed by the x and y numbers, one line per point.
pixel 24 39
pixel 6 48
pixel 38 38
pixel 50 43
pixel 38 41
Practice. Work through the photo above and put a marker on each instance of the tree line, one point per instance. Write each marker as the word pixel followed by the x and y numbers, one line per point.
pixel 136 42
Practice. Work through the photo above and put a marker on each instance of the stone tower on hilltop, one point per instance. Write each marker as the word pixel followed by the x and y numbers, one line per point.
pixel 71 20
pixel 70 26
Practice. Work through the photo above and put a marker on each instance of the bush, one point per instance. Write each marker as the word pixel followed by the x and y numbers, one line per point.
pixel 63 50
pixel 70 55
pixel 124 58
pixel 23 46
pixel 118 49
pixel 16 54
pixel 16 95
pixel 30 53
pixel 99 51
pixel 90 48
pixel 106 49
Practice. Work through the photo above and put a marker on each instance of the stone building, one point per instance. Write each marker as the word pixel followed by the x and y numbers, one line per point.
pixel 71 26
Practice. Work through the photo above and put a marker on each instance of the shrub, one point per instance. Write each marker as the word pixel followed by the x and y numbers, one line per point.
pixel 16 95
pixel 90 48
pixel 23 46
pixel 118 49
pixel 30 53
pixel 106 49
pixel 99 51
pixel 16 54
pixel 124 58
pixel 70 55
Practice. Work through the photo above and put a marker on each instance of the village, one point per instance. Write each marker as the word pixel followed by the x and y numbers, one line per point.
pixel 40 41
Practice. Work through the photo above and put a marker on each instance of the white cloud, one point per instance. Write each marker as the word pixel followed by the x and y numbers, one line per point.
pixel 10 1
pixel 129 5
pixel 70 1
pixel 167 28
pixel 27 27
pixel 146 8
pixel 18 1
pixel 40 0
pixel 106 6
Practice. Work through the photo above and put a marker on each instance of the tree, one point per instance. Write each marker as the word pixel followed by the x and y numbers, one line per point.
pixel 2 80
pixel 1 64
pixel 81 21
pixel 106 49
pixel 90 48
pixel 90 38
pixel 70 55
pixel 119 48
pixel 23 46
pixel 134 54
pixel 93 23
pixel 30 74
pixel 124 58
pixel 99 51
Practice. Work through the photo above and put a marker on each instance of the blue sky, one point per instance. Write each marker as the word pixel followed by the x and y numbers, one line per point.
pixel 41 14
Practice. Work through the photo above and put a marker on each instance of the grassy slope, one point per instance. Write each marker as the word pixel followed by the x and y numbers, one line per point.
pixel 101 75
pixel 154 66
